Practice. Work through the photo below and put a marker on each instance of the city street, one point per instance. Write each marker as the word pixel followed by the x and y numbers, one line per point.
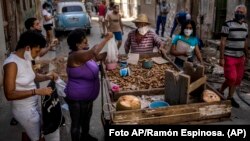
pixel 13 133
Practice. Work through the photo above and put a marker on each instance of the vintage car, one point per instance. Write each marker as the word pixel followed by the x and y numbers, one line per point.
pixel 71 15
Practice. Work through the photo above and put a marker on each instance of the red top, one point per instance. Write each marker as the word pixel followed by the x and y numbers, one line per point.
pixel 102 10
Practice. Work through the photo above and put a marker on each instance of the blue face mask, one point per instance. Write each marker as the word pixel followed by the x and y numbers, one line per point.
pixel 239 16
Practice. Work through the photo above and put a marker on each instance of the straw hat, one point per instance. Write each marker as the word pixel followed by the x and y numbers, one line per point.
pixel 142 18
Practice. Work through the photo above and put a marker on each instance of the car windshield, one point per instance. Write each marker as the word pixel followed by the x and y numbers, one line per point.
pixel 72 9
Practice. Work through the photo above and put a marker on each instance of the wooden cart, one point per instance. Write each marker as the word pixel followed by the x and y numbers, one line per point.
pixel 185 108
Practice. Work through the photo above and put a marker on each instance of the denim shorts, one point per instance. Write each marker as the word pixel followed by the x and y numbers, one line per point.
pixel 118 36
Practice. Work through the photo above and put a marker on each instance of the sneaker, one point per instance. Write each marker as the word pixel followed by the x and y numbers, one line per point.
pixel 13 122
pixel 234 103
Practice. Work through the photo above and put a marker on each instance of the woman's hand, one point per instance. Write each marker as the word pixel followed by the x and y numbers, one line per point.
pixel 109 35
pixel 162 50
pixel 53 76
pixel 44 91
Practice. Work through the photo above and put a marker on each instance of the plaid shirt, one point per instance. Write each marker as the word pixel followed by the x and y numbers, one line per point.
pixel 145 45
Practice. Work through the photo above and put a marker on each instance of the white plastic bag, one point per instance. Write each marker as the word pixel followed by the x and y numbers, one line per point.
pixel 60 86
pixel 112 51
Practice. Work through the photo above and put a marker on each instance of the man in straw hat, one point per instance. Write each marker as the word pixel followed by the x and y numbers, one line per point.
pixel 142 40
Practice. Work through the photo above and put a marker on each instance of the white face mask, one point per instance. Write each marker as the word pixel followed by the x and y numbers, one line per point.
pixel 27 55
pixel 188 32
pixel 143 30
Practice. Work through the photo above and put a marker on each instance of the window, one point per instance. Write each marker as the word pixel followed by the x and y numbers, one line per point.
pixel 72 9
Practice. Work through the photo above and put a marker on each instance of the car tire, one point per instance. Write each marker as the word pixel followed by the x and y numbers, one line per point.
pixel 58 33
pixel 88 31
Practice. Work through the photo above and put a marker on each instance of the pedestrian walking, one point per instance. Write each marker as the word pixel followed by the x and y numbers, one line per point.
pixel 180 18
pixel 234 51
pixel 162 17
pixel 114 25
pixel 89 7
pixel 102 9
pixel 47 22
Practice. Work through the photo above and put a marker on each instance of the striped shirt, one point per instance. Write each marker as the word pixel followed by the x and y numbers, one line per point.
pixel 236 34
pixel 145 45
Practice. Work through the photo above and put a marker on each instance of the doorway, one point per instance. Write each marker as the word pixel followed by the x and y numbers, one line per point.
pixel 221 13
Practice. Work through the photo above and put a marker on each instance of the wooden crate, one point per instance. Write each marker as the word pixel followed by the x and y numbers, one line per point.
pixel 187 87
pixel 152 91
pixel 197 113
pixel 192 113
pixel 184 111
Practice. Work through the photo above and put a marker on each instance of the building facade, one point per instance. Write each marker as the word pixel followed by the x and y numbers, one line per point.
pixel 208 14
pixel 13 13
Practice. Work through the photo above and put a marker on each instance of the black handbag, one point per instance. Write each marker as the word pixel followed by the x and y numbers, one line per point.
pixel 51 111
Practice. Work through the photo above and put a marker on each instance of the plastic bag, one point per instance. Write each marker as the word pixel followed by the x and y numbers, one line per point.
pixel 60 86
pixel 112 51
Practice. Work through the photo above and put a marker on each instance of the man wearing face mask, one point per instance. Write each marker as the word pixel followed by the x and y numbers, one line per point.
pixel 142 40
pixel 234 51
pixel 34 24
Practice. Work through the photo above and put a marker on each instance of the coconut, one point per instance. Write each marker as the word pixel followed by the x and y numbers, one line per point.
pixel 128 102
pixel 210 96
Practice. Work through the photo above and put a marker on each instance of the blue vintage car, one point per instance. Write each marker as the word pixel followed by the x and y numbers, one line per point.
pixel 71 15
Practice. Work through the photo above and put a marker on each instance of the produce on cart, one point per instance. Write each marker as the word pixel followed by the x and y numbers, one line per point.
pixel 190 99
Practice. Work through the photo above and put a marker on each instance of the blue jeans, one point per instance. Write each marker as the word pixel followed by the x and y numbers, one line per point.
pixel 161 21
pixel 174 27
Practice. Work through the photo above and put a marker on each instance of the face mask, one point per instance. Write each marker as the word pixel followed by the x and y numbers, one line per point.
pixel 38 31
pixel 239 16
pixel 27 55
pixel 86 48
pixel 143 30
pixel 188 32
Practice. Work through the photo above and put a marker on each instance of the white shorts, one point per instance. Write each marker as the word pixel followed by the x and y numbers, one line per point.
pixel 29 118
pixel 101 19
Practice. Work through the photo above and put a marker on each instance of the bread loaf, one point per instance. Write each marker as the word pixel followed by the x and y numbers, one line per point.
pixel 210 96
pixel 128 102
